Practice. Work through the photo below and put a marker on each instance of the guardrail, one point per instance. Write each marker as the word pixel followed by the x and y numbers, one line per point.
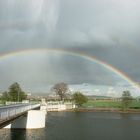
pixel 7 112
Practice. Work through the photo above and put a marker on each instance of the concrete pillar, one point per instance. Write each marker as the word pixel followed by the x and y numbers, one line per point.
pixel 43 108
pixel 33 120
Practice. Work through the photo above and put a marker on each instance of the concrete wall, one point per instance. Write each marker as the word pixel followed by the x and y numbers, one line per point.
pixel 59 106
pixel 36 119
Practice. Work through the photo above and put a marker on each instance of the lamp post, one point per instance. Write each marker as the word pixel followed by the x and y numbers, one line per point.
pixel 18 95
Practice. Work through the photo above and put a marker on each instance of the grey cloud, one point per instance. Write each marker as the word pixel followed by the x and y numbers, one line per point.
pixel 52 68
pixel 108 30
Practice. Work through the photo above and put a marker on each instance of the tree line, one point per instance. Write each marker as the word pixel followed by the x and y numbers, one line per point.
pixel 62 89
pixel 16 94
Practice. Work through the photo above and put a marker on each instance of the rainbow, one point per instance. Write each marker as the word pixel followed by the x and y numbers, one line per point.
pixel 78 54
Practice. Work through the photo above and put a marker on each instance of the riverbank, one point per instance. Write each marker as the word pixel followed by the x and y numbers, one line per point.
pixel 134 104
pixel 117 110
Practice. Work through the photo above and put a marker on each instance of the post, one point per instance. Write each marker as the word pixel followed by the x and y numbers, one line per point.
pixel 18 96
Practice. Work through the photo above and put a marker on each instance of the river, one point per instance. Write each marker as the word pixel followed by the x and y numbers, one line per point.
pixel 81 126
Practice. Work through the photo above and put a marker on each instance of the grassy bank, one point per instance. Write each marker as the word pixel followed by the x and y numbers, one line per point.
pixel 110 104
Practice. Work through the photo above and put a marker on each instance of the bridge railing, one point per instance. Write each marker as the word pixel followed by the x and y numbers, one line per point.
pixel 13 110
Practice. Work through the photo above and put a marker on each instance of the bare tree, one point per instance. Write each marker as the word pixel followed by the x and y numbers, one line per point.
pixel 60 89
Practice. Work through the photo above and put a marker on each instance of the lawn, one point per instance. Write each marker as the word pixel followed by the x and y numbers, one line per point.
pixel 109 104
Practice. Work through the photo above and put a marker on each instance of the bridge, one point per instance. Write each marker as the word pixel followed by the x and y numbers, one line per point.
pixel 10 113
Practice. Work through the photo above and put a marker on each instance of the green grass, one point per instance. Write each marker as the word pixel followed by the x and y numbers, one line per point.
pixel 135 104
pixel 109 104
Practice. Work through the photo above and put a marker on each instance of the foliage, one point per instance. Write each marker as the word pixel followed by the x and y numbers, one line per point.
pixel 126 99
pixel 60 89
pixel 79 98
pixel 5 96
pixel 15 93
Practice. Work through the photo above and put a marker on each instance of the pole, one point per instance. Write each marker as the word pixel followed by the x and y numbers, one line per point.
pixel 18 95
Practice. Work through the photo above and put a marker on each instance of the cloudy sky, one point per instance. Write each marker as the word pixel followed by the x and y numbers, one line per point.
pixel 106 29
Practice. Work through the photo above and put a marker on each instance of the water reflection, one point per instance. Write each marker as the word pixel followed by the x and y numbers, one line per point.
pixel 128 116
pixel 81 126
pixel 4 134
pixel 22 134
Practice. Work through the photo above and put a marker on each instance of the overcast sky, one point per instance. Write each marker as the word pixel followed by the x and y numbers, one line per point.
pixel 106 29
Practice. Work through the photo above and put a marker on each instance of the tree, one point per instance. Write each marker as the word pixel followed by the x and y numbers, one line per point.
pixel 15 93
pixel 60 89
pixel 79 98
pixel 5 96
pixel 126 99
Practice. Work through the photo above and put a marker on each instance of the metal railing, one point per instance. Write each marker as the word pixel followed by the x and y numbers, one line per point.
pixel 7 112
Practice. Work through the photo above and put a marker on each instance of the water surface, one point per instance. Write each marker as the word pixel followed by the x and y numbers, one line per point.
pixel 81 126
